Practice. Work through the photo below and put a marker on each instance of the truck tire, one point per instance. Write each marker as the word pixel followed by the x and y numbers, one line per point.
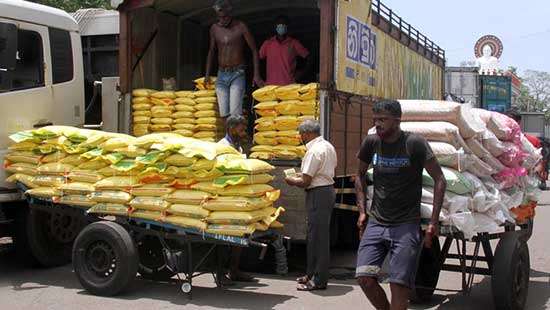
pixel 152 263
pixel 23 251
pixel 105 258
pixel 510 276
pixel 50 236
pixel 427 274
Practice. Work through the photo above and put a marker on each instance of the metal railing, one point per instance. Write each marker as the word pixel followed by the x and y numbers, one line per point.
pixel 396 21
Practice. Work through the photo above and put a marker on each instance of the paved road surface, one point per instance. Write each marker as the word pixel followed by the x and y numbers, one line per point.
pixel 24 288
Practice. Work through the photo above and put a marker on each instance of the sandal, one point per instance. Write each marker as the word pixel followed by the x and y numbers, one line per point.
pixel 303 280
pixel 310 286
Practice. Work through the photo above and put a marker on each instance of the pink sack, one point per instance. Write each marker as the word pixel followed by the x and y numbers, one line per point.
pixel 513 156
pixel 505 128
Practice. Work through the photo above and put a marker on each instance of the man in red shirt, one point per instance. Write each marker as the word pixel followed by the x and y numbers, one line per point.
pixel 280 52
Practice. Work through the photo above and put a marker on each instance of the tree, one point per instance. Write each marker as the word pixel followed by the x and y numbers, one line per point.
pixel 74 5
pixel 535 92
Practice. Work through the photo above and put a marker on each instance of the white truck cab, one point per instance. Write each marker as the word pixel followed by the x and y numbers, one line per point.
pixel 41 72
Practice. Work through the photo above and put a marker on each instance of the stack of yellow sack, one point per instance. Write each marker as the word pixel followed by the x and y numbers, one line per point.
pixel 162 177
pixel 162 111
pixel 141 111
pixel 281 109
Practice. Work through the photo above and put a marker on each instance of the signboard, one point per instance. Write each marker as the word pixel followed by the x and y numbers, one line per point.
pixel 496 93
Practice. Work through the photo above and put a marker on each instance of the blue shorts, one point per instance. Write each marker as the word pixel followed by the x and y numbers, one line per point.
pixel 230 87
pixel 401 241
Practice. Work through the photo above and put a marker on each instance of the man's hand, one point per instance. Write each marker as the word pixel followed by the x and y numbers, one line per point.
pixel 431 232
pixel 290 181
pixel 258 81
pixel 361 224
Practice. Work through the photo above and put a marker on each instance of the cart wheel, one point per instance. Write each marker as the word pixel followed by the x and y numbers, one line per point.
pixel 427 274
pixel 528 229
pixel 510 278
pixel 152 264
pixel 186 287
pixel 105 259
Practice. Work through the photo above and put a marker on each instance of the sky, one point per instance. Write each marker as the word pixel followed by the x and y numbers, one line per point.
pixel 456 25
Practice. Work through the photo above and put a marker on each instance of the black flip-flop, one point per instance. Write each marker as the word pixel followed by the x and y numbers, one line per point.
pixel 310 286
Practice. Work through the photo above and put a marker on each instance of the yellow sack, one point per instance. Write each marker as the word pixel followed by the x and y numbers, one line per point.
pixel 77 188
pixel 131 151
pixel 204 134
pixel 208 140
pixel 186 120
pixel 267 113
pixel 205 127
pixel 231 164
pixel 143 92
pixel 112 172
pixel 268 220
pixel 185 94
pixel 239 218
pixel 205 93
pixel 206 100
pixel 141 106
pixel 49 180
pixel 185 196
pixel 231 230
pixel 242 179
pixel 55 169
pixel 149 203
pixel 147 141
pixel 89 176
pixel 109 209
pixel 184 132
pixel 267 134
pixel 166 102
pixel 186 108
pixel 22 168
pixel 164 94
pixel 203 164
pixel 162 109
pixel 23 157
pixel 118 183
pixel 267 105
pixel 180 160
pixel 230 203
pixel 288 140
pixel 43 192
pixel 152 190
pixel 75 200
pixel 266 93
pixel 183 114
pixel 161 113
pixel 186 222
pixel 142 119
pixel 160 128
pixel 288 92
pixel 264 141
pixel 252 190
pixel 54 157
pixel 261 226
pixel 94 164
pixel 147 215
pixel 287 123
pixel 206 175
pixel 289 107
pixel 27 180
pixel 262 155
pixel 140 130
pixel 111 197
pixel 140 100
pixel 184 126
pixel 141 113
pixel 262 148
pixel 265 126
pixel 162 121
pixel 276 225
pixel 191 147
pixel 117 142
pixel 206 120
pixel 184 101
pixel 309 91
pixel 191 211
pixel 206 107
pixel 23 146
pixel 182 183
pixel 74 160
pixel 207 113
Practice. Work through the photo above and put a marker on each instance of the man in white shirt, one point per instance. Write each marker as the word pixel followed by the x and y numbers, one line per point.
pixel 235 133
pixel 317 178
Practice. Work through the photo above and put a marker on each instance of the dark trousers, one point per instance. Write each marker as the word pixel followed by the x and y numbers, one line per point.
pixel 319 204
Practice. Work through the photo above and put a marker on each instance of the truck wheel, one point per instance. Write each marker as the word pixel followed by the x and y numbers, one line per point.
pixel 427 274
pixel 105 258
pixel 50 236
pixel 20 238
pixel 510 277
pixel 152 264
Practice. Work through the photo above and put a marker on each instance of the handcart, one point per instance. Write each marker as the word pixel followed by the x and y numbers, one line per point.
pixel 508 264
pixel 109 251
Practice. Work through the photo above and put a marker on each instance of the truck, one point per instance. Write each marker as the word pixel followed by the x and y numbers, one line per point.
pixel 41 83
pixel 463 83
pixel 363 52
pixel 496 92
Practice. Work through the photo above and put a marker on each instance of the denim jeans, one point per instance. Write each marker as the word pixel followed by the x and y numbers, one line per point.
pixel 230 87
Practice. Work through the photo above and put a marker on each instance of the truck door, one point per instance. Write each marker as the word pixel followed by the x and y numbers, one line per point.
pixel 26 99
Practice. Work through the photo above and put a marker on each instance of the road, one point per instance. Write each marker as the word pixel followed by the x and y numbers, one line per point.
pixel 58 288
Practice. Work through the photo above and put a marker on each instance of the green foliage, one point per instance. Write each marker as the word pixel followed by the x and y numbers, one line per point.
pixel 74 5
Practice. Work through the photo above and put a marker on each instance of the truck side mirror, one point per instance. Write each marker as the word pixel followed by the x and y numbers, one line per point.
pixel 8 53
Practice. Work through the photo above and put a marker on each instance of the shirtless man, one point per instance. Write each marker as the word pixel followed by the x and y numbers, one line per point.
pixel 227 37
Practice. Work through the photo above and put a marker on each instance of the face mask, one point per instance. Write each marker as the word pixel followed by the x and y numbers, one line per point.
pixel 281 29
